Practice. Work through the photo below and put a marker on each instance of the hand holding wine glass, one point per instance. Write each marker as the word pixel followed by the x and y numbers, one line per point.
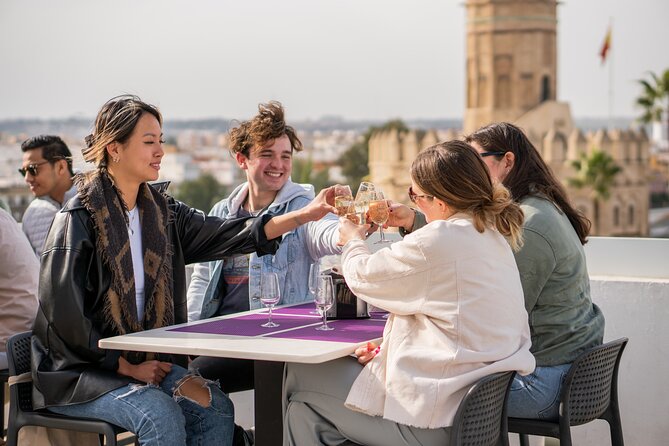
pixel 270 295
pixel 324 299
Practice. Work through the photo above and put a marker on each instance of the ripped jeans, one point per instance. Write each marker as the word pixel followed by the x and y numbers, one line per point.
pixel 158 417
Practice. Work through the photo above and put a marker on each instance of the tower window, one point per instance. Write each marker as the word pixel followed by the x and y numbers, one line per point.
pixel 545 88
pixel 616 216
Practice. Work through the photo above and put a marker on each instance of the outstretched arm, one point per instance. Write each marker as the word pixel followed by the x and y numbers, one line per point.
pixel 317 209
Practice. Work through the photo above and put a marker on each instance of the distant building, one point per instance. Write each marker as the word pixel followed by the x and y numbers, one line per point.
pixel 512 76
pixel 178 166
pixel 18 197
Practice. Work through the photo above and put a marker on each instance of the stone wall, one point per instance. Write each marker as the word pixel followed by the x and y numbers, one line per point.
pixel 624 213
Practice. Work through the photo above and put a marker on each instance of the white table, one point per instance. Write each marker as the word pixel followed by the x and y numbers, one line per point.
pixel 269 353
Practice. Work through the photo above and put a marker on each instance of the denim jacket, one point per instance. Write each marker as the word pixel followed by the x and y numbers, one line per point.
pixel 298 250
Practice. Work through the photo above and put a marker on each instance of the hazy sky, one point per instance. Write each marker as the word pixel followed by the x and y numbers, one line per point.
pixel 359 59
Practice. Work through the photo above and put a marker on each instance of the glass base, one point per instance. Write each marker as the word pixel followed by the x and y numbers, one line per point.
pixel 380 242
pixel 270 325
pixel 324 328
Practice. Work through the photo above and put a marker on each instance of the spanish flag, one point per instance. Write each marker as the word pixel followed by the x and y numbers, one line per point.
pixel 606 46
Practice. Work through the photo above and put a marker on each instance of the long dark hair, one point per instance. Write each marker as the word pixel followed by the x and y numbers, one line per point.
pixel 530 175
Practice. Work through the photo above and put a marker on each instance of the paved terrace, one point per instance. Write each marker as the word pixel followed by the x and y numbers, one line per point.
pixel 630 282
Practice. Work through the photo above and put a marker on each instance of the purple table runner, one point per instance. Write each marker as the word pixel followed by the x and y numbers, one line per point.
pixel 291 327
pixel 247 325
pixel 345 330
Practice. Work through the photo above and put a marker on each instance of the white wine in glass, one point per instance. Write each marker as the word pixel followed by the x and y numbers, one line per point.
pixel 362 199
pixel 378 213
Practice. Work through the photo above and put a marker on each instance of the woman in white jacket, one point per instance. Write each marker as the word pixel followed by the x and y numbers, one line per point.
pixel 456 314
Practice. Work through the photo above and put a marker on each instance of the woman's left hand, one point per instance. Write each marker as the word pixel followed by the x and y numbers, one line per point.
pixel 367 352
pixel 350 231
pixel 319 207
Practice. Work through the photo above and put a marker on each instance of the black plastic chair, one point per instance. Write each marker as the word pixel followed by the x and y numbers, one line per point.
pixel 21 411
pixel 481 417
pixel 590 392
pixel 4 376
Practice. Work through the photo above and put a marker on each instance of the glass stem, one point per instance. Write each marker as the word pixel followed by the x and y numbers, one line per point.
pixel 325 318
pixel 381 234
pixel 270 314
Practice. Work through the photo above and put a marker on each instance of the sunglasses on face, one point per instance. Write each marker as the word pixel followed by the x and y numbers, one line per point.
pixel 413 196
pixel 484 154
pixel 32 169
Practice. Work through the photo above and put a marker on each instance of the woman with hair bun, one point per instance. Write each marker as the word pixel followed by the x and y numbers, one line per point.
pixel 456 308
pixel 563 320
pixel 114 263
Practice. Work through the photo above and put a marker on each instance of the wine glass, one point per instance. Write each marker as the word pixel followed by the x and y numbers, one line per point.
pixel 324 299
pixel 314 272
pixel 343 200
pixel 269 295
pixel 378 212
pixel 362 199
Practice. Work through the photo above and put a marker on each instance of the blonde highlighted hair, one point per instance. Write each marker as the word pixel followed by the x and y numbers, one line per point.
pixel 454 173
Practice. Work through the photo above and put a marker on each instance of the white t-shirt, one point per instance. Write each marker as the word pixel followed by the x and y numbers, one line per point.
pixel 135 235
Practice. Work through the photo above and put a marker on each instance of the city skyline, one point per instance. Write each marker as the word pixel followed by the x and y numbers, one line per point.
pixel 359 60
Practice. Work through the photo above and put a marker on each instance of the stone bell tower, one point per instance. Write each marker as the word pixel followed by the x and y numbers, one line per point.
pixel 511 59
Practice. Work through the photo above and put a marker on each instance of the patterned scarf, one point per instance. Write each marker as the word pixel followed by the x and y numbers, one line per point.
pixel 109 215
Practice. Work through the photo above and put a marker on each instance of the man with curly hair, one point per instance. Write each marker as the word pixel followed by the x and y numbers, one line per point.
pixel 264 148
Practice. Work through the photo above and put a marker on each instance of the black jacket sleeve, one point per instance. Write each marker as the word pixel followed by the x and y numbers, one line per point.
pixel 205 238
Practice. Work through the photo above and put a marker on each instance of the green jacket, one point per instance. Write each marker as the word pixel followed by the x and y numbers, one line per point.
pixel 563 320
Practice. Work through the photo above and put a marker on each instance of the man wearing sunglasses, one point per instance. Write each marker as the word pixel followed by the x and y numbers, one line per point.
pixel 47 169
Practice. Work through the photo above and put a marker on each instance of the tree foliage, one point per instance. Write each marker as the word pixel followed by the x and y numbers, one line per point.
pixel 596 171
pixel 654 100
pixel 201 193
pixel 303 172
pixel 355 161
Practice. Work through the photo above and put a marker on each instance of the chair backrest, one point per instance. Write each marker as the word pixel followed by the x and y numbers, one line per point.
pixel 592 378
pixel 481 417
pixel 18 357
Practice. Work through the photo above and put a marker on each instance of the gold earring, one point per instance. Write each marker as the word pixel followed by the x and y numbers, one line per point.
pixel 116 159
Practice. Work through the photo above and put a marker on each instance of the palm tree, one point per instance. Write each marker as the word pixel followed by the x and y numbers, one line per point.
pixel 655 98
pixel 597 172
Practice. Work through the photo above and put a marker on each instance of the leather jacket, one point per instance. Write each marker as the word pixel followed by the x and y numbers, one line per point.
pixel 68 367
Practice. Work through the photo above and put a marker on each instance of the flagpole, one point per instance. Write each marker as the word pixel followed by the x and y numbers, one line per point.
pixel 612 51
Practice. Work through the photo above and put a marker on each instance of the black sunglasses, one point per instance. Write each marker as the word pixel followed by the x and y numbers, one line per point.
pixel 32 168
pixel 413 196
pixel 484 154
